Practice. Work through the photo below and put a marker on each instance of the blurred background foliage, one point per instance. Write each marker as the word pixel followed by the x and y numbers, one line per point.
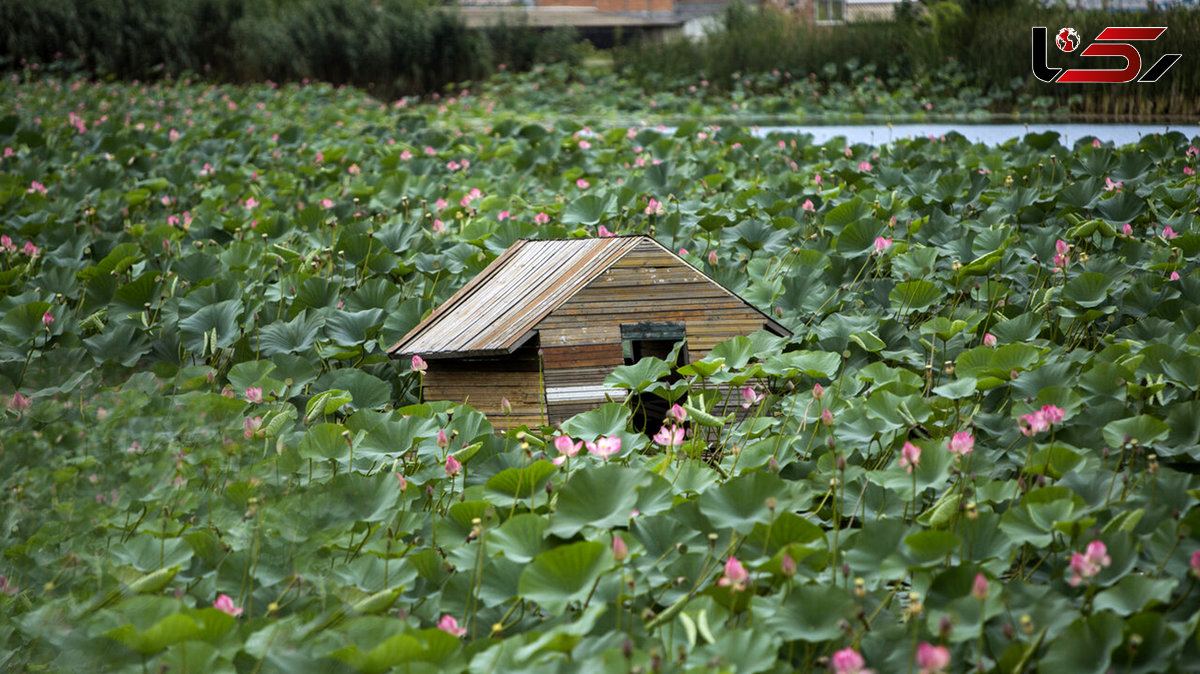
pixel 400 47
pixel 388 47
pixel 980 43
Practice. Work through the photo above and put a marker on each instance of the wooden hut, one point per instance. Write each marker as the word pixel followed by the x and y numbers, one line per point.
pixel 547 320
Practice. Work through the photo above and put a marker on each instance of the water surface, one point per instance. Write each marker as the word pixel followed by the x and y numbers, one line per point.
pixel 990 134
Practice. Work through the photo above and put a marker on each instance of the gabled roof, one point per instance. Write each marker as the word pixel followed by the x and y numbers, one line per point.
pixel 498 310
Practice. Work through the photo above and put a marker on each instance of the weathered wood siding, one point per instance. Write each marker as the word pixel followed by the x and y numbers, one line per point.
pixel 482 382
pixel 581 339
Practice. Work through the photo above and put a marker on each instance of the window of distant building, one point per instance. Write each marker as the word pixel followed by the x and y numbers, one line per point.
pixel 830 11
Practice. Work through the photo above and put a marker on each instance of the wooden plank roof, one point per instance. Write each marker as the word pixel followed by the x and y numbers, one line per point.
pixel 497 311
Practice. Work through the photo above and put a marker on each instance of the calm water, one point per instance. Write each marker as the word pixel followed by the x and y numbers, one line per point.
pixel 991 134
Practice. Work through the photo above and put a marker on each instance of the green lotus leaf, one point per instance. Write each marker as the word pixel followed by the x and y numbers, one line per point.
pixel 597 496
pixel 563 574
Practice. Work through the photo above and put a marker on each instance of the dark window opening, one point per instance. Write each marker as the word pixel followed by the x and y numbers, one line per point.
pixel 658 340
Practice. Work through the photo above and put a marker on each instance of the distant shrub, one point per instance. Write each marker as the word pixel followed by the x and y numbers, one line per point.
pixel 988 40
pixel 390 47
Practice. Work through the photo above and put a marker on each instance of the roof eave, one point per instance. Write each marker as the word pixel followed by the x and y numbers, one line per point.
pixel 777 328
pixel 478 353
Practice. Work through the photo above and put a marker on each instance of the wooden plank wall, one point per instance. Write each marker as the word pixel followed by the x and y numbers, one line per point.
pixel 482 382
pixel 581 340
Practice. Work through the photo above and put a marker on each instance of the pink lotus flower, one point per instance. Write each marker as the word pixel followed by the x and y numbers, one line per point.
pixel 453 466
pixel 438 226
pixel 817 178
pixel 787 565
pixel 735 575
pixel 1194 563
pixel 848 661
pixel 450 626
pixel 910 457
pixel 429 151
pixel 603 232
pixel 30 249
pixel 1061 256
pixel 419 364
pixel 541 219
pixel 254 394
pixel 1032 424
pixel 818 391
pixel 403 482
pixel 1053 414
pixel 504 215
pixel 1169 233
pixel 751 397
pixel 19 403
pixel 442 440
pixel 932 659
pixel 405 155
pixel 712 257
pixel 677 414
pixel 251 426
pixel 582 184
pixel 619 550
pixel 669 436
pixel 564 445
pixel 441 204
pixel 251 203
pixel 566 448
pixel 327 203
pixel 882 244
pixel 864 166
pixel 1188 171
pixel 979 589
pixel 47 319
pixel 224 603
pixel 1109 185
pixel 1090 563
pixel 1174 276
pixel 961 443
pixel 7 243
pixel 826 417
pixel 653 207
pixel 1127 230
pixel 989 340
pixel 808 206
pixel 604 447
pixel 1095 142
